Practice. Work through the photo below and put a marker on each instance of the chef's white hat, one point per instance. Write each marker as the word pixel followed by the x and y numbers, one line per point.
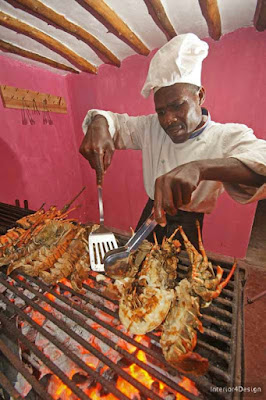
pixel 178 61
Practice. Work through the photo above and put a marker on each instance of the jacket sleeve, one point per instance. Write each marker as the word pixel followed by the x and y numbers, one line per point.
pixel 241 143
pixel 127 132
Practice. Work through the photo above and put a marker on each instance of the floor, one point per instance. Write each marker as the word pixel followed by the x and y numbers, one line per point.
pixel 255 333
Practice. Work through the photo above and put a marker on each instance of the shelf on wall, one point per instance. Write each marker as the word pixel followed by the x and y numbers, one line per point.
pixel 14 97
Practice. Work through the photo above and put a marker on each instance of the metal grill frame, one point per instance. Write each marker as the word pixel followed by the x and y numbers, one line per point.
pixel 9 214
pixel 234 358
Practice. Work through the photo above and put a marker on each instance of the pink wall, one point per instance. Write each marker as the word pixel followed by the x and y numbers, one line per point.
pixel 39 162
pixel 123 189
pixel 235 80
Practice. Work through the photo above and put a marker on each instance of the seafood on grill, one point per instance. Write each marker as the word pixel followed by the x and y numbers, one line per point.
pixel 17 241
pixel 65 264
pixel 29 220
pixel 44 249
pixel 204 282
pixel 59 250
pixel 179 332
pixel 11 235
pixel 80 272
pixel 125 276
pixel 49 246
pixel 41 215
pixel 146 299
pixel 23 241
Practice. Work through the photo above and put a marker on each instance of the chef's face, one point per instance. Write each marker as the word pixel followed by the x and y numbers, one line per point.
pixel 179 110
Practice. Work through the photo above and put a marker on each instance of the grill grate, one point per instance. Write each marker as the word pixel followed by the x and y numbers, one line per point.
pixel 9 214
pixel 220 342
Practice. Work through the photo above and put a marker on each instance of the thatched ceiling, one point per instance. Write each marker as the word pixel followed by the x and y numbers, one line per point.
pixel 70 36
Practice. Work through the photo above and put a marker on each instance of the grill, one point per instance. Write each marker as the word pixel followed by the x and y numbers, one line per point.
pixel 9 214
pixel 68 320
pixel 94 313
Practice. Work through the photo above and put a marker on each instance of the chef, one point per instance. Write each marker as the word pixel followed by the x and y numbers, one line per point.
pixel 188 159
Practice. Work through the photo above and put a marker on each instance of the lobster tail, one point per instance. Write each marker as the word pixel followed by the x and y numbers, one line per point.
pixel 190 363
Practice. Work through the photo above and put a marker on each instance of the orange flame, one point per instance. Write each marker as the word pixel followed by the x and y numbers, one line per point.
pixel 58 389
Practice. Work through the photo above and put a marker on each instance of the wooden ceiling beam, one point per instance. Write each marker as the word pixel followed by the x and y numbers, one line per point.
pixel 260 16
pixel 109 18
pixel 11 48
pixel 211 13
pixel 158 14
pixel 41 10
pixel 28 30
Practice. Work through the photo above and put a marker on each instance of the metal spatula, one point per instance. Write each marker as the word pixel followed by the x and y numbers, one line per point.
pixel 101 240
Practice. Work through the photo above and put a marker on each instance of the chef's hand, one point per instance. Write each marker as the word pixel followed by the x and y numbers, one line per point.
pixel 98 147
pixel 174 189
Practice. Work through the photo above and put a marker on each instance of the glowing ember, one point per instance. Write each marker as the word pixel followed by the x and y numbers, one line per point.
pixel 56 388
pixel 189 386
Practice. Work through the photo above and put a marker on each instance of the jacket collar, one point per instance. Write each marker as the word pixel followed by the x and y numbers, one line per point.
pixel 207 118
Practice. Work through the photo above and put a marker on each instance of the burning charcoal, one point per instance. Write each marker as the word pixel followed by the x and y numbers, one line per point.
pixel 10 295
pixel 154 361
pixel 167 395
pixel 143 397
pixel 19 302
pixel 110 305
pixel 76 300
pixel 105 317
pixel 91 360
pixel 124 363
pixel 78 378
pixel 22 385
pixel 2 305
pixel 170 397
pixel 32 395
pixel 100 277
pixel 155 387
pixel 29 294
pixel 110 376
pixel 2 288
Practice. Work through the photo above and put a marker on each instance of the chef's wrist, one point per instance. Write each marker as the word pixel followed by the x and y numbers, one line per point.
pixel 202 169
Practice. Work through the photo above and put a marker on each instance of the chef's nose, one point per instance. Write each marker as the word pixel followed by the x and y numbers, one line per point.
pixel 170 119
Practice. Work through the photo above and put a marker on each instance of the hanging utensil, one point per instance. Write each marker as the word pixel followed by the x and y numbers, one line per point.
pixel 49 119
pixel 44 120
pixel 35 108
pixel 23 114
pixel 32 122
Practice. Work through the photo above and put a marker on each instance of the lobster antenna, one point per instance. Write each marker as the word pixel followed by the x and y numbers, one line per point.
pixel 66 207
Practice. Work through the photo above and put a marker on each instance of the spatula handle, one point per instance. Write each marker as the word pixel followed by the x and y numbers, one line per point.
pixel 100 201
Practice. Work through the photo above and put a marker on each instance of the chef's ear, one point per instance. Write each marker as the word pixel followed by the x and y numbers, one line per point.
pixel 202 95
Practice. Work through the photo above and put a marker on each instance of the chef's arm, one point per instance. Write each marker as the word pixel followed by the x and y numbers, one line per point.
pixel 174 189
pixel 229 170
pixel 106 131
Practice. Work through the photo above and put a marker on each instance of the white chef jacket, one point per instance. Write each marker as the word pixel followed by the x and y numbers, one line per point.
pixel 160 155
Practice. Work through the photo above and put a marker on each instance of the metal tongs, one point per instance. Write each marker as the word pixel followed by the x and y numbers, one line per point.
pixel 115 261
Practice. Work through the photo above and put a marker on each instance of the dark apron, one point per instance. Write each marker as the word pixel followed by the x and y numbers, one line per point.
pixel 186 219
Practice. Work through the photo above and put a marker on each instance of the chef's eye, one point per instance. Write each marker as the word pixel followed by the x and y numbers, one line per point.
pixel 160 113
pixel 178 105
